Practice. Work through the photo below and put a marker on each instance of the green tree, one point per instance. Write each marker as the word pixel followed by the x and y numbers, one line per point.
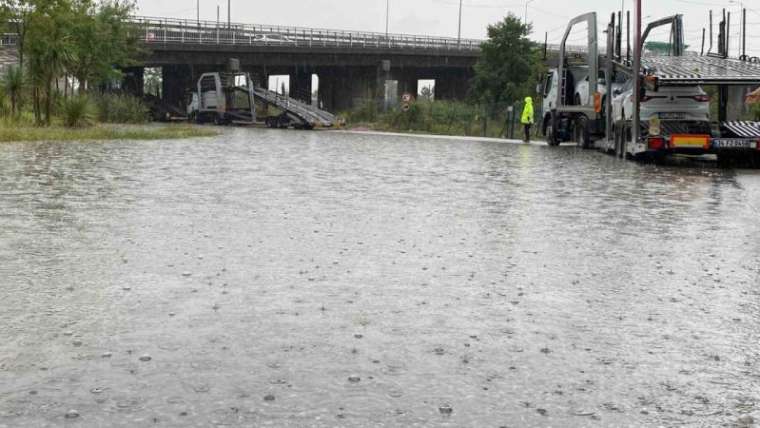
pixel 83 38
pixel 48 47
pixel 507 67
pixel 101 37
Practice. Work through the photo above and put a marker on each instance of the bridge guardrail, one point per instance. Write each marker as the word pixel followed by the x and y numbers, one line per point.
pixel 165 30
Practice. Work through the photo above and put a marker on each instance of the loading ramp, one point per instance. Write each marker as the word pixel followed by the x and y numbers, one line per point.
pixel 299 113
pixel 692 70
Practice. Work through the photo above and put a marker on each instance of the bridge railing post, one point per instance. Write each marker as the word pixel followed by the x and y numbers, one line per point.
pixel 164 25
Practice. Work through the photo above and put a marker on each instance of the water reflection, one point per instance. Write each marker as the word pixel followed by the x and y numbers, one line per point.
pixel 326 279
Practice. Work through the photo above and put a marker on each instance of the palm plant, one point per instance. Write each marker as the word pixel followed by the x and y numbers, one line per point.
pixel 13 84
pixel 78 112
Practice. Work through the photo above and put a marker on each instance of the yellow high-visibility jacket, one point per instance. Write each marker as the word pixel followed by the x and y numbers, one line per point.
pixel 527 114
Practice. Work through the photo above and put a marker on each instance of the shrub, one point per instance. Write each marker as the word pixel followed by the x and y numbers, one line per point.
pixel 77 112
pixel 436 117
pixel 120 108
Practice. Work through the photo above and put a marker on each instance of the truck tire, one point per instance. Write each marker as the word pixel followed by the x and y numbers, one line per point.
pixel 551 136
pixel 582 137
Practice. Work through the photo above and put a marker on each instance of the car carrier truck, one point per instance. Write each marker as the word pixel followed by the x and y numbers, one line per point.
pixel 595 124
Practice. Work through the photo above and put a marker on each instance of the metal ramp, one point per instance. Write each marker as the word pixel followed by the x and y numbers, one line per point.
pixel 309 115
pixel 741 129
pixel 690 69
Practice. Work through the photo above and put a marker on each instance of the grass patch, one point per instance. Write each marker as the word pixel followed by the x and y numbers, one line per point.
pixel 19 132
pixel 434 117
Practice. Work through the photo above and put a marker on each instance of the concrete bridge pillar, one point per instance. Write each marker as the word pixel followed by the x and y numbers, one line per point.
pixel 343 88
pixel 176 81
pixel 453 84
pixel 300 84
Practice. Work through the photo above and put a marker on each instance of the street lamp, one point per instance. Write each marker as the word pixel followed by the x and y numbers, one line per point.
pixel 526 10
pixel 459 34
pixel 387 16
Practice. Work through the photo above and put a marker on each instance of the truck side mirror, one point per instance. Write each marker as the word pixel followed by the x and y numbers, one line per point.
pixel 539 89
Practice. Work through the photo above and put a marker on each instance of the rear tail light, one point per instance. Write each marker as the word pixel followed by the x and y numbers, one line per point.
pixel 702 98
pixel 646 98
pixel 656 143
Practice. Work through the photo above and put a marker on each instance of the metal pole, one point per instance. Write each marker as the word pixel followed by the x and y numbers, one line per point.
pixel 728 34
pixel 703 42
pixel 229 13
pixel 709 51
pixel 628 35
pixel 198 11
pixel 459 33
pixel 636 131
pixel 744 33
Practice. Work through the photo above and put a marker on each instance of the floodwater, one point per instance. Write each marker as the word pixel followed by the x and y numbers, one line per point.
pixel 317 279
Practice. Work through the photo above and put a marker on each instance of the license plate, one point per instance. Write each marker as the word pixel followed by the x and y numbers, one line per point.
pixel 673 116
pixel 734 143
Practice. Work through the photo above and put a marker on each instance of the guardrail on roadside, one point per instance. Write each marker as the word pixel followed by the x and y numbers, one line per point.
pixel 167 30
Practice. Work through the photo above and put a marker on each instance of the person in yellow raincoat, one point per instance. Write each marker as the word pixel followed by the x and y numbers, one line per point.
pixel 527 118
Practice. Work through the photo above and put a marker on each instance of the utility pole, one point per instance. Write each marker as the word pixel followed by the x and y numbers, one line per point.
pixel 459 34
pixel 229 13
pixel 217 16
pixel 198 11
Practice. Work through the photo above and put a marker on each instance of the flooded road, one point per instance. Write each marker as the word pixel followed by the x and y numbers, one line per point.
pixel 269 278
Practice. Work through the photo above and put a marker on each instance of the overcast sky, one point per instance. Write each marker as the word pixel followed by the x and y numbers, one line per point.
pixel 439 17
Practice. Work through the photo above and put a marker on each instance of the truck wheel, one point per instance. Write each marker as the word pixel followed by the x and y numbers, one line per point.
pixel 582 138
pixel 551 137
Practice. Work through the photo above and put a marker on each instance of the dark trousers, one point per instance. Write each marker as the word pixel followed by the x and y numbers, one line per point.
pixel 527 132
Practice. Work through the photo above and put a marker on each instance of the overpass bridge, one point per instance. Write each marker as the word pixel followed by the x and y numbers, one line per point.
pixel 351 65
